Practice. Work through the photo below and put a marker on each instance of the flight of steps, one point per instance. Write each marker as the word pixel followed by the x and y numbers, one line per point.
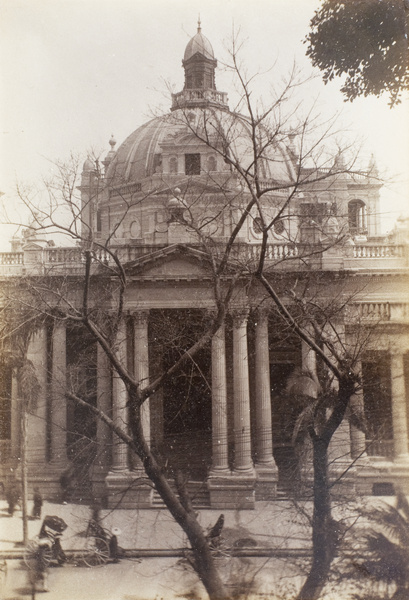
pixel 198 492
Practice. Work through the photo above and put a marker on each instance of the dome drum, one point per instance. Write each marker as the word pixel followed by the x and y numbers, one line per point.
pixel 199 98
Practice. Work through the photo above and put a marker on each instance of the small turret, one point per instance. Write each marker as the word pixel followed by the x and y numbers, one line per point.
pixel 200 65
pixel 111 154
pixel 373 167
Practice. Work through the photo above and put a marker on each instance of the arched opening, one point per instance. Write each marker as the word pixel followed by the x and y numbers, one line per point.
pixel 357 217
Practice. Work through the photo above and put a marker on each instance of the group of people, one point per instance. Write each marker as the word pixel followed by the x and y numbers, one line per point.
pixel 13 499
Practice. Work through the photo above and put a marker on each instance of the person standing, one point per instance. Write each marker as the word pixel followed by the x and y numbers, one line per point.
pixel 38 571
pixel 37 503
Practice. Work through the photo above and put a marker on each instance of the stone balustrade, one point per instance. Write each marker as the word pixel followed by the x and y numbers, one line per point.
pixel 52 259
pixel 11 258
pixel 199 95
pixel 378 251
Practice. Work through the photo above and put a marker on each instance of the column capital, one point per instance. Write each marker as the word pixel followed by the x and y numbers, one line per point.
pixel 396 352
pixel 262 313
pixel 239 316
pixel 140 317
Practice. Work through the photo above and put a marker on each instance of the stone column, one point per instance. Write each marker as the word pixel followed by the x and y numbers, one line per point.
pixel 119 405
pixel 37 417
pixel 308 365
pixel 220 464
pixel 242 431
pixel 267 472
pixel 104 435
pixel 264 437
pixel 309 360
pixel 399 411
pixel 58 404
pixel 141 372
pixel 357 436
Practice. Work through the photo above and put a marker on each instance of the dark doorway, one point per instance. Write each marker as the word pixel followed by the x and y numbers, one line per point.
pixel 376 380
pixel 81 421
pixel 284 416
pixel 187 400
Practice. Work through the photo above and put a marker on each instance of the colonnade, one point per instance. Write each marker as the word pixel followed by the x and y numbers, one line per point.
pixel 252 458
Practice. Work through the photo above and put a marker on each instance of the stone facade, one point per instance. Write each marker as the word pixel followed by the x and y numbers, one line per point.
pixel 234 436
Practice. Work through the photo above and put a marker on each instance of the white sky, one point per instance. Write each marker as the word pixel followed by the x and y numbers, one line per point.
pixel 76 71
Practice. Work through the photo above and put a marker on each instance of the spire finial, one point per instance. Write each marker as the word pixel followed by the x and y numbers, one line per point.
pixel 199 25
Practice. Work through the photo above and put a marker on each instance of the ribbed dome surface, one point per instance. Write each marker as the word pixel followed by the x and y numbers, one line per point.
pixel 135 158
pixel 199 43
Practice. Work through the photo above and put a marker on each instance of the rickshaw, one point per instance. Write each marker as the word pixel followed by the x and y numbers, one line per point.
pixel 94 549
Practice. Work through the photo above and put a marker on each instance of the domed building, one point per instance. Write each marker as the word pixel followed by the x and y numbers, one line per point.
pixel 227 419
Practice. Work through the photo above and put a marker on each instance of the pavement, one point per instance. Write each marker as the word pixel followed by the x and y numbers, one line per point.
pixel 276 526
pixel 154 545
pixel 270 549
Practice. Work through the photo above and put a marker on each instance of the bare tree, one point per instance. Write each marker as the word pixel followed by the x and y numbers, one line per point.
pixel 270 156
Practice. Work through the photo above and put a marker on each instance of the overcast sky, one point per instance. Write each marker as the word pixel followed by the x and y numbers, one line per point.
pixel 76 71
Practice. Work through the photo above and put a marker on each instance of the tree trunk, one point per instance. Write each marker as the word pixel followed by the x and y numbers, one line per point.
pixel 323 531
pixel 203 557
pixel 183 514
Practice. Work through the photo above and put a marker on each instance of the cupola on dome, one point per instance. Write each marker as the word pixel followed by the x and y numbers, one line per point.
pixel 199 44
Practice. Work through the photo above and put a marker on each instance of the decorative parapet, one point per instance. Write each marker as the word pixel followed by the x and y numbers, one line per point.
pixel 378 251
pixel 378 312
pixel 198 97
pixel 366 257
pixel 11 258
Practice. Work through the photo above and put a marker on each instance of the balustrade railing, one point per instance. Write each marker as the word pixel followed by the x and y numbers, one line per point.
pixel 74 256
pixel 382 448
pixel 378 310
pixel 198 95
pixel 11 258
pixel 378 251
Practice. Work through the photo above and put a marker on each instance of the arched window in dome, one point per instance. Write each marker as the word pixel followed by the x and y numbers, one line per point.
pixel 157 163
pixel 135 229
pixel 192 164
pixel 211 163
pixel 357 217
pixel 173 164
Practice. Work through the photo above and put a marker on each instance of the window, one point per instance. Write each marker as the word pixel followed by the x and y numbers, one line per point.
pixel 157 163
pixel 376 383
pixel 192 164
pixel 211 163
pixel 279 227
pixel 357 217
pixel 135 229
pixel 99 220
pixel 257 225
pixel 311 214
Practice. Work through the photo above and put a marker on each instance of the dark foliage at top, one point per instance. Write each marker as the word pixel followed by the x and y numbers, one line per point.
pixel 366 40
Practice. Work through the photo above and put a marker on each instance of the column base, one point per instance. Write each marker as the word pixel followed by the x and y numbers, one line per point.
pixel 128 489
pixel 267 479
pixel 234 491
pixel 379 476
pixel 98 483
pixel 342 478
pixel 48 482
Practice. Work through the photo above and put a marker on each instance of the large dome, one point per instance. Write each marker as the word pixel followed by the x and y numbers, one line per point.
pixel 166 144
pixel 140 155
